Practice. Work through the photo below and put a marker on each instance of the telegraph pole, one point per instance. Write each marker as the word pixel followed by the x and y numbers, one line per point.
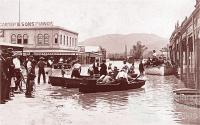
pixel 19 12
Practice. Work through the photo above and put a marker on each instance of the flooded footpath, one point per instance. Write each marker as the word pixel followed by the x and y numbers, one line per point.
pixel 153 104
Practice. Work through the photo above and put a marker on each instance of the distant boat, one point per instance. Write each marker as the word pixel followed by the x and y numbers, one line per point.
pixel 162 70
pixel 91 86
pixel 186 96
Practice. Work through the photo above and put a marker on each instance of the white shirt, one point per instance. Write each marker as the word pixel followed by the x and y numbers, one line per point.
pixel 16 62
pixel 77 66
pixel 122 74
pixel 125 66
pixel 154 54
pixel 50 62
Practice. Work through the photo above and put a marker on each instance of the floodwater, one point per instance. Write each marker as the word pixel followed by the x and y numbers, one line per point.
pixel 153 104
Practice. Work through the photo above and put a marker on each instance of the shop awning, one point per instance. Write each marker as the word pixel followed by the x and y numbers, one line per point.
pixel 50 52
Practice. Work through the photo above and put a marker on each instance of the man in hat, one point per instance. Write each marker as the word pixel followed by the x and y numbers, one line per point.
pixel 4 76
pixel 17 70
pixel 41 64
pixel 103 69
pixel 10 69
pixel 31 76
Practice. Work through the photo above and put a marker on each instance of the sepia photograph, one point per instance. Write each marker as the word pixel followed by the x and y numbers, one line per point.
pixel 99 62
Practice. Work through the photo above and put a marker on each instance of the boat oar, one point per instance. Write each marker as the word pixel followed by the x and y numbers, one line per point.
pixel 136 78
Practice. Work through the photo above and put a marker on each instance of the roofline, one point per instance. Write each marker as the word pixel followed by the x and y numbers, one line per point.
pixel 31 28
pixel 11 45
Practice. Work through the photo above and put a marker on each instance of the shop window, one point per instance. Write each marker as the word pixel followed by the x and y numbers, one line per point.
pixel 25 38
pixel 40 38
pixel 46 39
pixel 19 39
pixel 56 38
pixel 75 40
pixel 70 41
pixel 64 40
pixel 67 41
pixel 13 38
pixel 60 39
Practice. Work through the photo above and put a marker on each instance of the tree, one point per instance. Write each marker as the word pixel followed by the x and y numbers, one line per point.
pixel 137 51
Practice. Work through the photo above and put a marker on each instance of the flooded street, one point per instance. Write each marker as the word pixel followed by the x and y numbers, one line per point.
pixel 153 104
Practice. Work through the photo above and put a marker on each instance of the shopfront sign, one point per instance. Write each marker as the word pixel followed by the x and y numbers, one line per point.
pixel 25 24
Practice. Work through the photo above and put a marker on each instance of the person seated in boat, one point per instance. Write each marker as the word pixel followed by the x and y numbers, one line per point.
pixel 148 62
pixel 99 81
pixel 115 71
pixel 76 70
pixel 154 58
pixel 96 68
pixel 132 69
pixel 122 76
pixel 108 78
pixel 91 70
pixel 125 66
pixel 160 60
pixel 103 69
pixel 109 66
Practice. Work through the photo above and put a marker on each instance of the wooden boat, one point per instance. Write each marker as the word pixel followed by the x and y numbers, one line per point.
pixel 133 75
pixel 66 82
pixel 162 70
pixel 190 97
pixel 91 86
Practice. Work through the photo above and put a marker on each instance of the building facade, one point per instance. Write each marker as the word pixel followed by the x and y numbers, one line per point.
pixel 41 38
pixel 184 47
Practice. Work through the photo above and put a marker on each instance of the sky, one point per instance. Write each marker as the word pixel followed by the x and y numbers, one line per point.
pixel 91 18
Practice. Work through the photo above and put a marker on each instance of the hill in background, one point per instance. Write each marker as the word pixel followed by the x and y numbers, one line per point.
pixel 115 43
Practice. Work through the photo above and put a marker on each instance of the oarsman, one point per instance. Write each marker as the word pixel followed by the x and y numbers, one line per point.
pixel 41 64
pixel 141 68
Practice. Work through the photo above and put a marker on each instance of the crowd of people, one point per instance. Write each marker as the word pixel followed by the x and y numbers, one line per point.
pixel 107 74
pixel 156 60
pixel 11 74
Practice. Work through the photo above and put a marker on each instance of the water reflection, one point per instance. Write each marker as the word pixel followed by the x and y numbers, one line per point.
pixel 112 101
pixel 153 105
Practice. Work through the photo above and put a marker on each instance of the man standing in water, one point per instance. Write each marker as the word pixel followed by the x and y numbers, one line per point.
pixel 31 76
pixel 41 65
pixel 141 68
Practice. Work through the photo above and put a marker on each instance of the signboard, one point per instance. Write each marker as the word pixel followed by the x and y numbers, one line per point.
pixel 25 24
